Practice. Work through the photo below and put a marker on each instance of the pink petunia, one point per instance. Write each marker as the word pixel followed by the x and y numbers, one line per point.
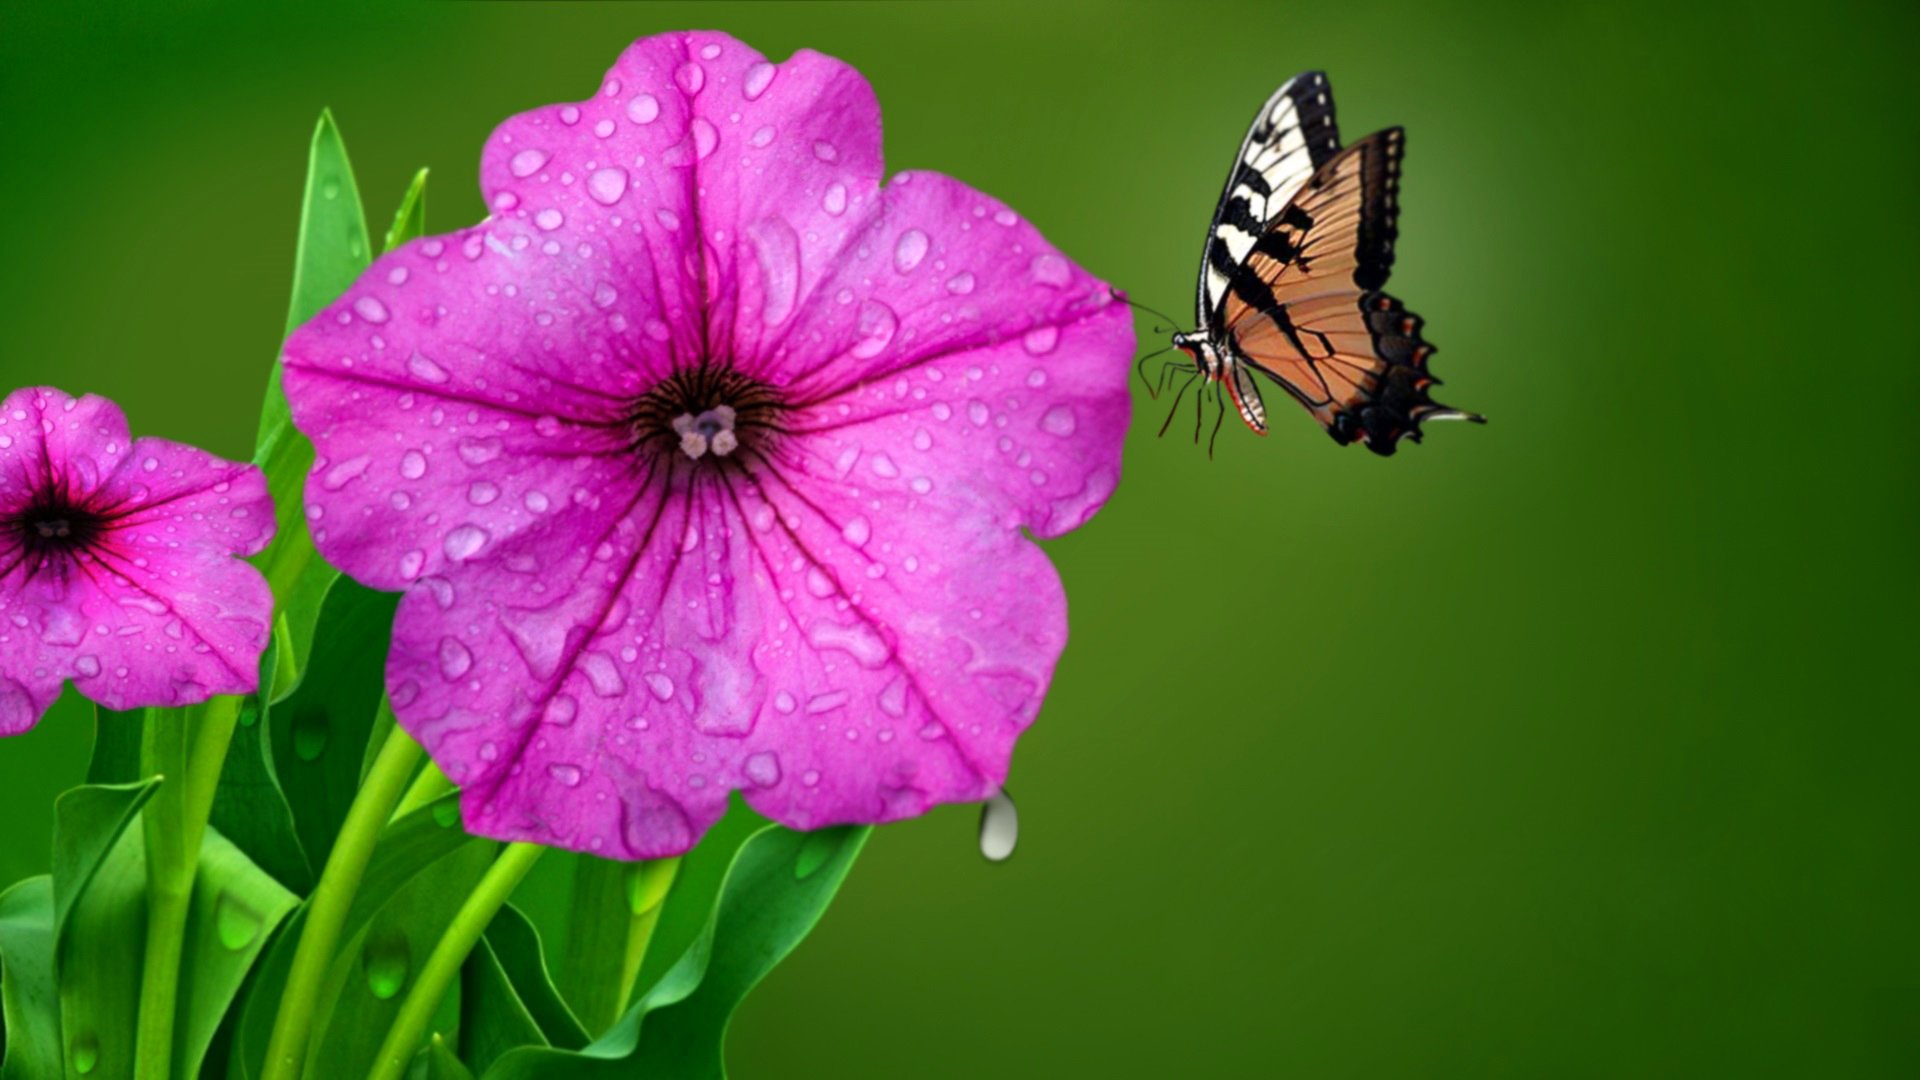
pixel 117 565
pixel 704 461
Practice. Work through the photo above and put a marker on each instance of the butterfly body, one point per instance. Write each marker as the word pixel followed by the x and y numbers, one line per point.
pixel 1290 284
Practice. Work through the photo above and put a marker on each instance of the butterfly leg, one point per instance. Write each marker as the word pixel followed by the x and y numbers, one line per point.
pixel 1220 416
pixel 1175 410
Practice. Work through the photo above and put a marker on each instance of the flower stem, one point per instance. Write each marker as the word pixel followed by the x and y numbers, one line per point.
pixel 186 748
pixel 332 898
pixel 423 999
pixel 615 906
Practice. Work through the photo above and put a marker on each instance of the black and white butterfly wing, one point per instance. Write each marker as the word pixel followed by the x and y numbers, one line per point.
pixel 1293 135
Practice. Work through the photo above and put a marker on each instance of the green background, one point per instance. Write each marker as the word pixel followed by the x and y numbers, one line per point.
pixel 1581 744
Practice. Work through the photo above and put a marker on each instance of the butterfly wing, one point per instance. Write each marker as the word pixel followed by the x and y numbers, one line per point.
pixel 1293 135
pixel 1304 306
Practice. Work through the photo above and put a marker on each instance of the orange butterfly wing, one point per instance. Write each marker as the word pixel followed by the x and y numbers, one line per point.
pixel 1304 306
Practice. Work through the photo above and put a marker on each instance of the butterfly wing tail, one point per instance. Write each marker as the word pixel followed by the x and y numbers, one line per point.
pixel 1401 402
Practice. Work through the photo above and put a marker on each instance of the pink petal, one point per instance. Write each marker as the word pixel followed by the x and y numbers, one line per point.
pixel 157 611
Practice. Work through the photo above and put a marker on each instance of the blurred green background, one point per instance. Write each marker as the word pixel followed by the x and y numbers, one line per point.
pixel 1570 746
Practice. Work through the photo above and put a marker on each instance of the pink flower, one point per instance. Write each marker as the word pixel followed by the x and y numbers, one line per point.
pixel 116 562
pixel 704 461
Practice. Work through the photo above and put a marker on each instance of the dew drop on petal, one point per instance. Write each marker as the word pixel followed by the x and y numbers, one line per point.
pixel 411 564
pixel 480 492
pixel 479 451
pixel 455 658
pixel 425 370
pixel 761 137
pixel 825 150
pixel 691 77
pixel 560 710
pixel 371 309
pixel 607 185
pixel 549 219
pixel 644 109
pixel 835 200
pixel 1051 270
pixel 877 326
pixel 857 531
pixel 464 542
pixel 705 138
pixel 564 774
pixel 762 769
pixel 960 284
pixel 909 250
pixel 526 163
pixel 1041 340
pixel 1059 420
pixel 660 684
pixel 345 472
pixel 413 464
pixel 758 78
pixel 778 252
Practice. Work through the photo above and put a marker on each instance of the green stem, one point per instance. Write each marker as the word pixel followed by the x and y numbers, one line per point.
pixel 331 900
pixel 615 906
pixel 186 748
pixel 423 999
pixel 427 787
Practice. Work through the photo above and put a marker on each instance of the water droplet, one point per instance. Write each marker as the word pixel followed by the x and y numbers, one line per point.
pixel 860 641
pixel 893 698
pixel 87 666
pixel 86 1046
pixel 644 109
pixel 603 128
pixel 526 163
pixel 479 451
pixel 413 464
pixel 661 684
pixel 877 326
pixel 909 250
pixel 829 701
pixel 569 115
pixel 1040 341
pixel 481 492
pixel 778 251
pixel 464 542
pixel 412 563
pixel 815 850
pixel 536 501
pixel 446 812
pixel 761 137
pixel 705 138
pixel 978 413
pixel 691 77
pixel 549 219
pixel 455 658
pixel 234 923
pixel 758 78
pixel 386 962
pixel 857 531
pixel 1059 420
pixel 309 734
pixel 561 710
pixel 607 185
pixel 999 827
pixel 603 674
pixel 835 200
pixel 960 284
pixel 1051 270
pixel 568 775
pixel 425 369
pixel 763 768
pixel 371 309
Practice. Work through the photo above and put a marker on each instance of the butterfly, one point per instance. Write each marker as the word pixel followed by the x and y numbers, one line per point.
pixel 1291 276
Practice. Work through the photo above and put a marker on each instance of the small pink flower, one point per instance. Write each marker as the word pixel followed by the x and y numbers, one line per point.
pixel 704 461
pixel 116 562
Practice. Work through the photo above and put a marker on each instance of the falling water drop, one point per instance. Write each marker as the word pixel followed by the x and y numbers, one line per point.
pixel 999 827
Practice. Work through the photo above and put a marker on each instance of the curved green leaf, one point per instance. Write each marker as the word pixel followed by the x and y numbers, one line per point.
pixel 249 807
pixel 436 1062
pixel 516 944
pixel 236 906
pixel 98 963
pixel 28 998
pixel 333 249
pixel 410 220
pixel 493 1018
pixel 775 891
pixel 87 822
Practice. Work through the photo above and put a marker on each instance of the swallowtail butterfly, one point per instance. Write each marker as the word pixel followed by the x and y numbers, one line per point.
pixel 1299 249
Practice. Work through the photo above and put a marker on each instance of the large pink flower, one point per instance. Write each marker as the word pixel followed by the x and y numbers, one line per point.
pixel 116 562
pixel 704 461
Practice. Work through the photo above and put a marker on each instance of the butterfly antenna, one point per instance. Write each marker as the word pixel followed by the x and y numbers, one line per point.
pixel 1155 312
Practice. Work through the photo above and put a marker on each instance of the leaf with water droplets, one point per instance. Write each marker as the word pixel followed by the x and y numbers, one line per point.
pixel 236 908
pixel 762 911
pixel 99 886
pixel 410 220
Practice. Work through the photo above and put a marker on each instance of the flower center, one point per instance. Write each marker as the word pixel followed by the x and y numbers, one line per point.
pixel 50 528
pixel 707 414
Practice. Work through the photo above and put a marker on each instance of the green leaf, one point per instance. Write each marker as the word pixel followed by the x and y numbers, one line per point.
pixel 116 746
pixel 436 1062
pixel 249 807
pixel 411 219
pixel 333 250
pixel 407 848
pixel 493 1019
pixel 775 891
pixel 507 997
pixel 28 998
pixel 236 906
pixel 319 732
pixel 368 982
pixel 87 821
pixel 100 945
